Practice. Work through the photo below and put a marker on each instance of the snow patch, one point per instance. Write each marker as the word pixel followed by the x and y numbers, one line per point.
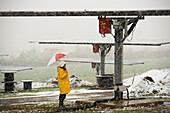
pixel 78 82
pixel 152 83
pixel 74 82
pixel 53 82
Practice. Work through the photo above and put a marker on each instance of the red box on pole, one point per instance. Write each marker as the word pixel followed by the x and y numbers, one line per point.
pixel 95 48
pixel 93 65
pixel 104 25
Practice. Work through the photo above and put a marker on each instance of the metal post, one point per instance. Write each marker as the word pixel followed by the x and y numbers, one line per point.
pixel 102 60
pixel 97 69
pixel 118 67
pixel 118 57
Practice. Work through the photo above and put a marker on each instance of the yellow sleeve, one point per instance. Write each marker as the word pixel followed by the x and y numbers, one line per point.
pixel 62 74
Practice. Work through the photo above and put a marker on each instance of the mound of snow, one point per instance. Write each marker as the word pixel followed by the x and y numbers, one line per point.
pixel 74 81
pixel 152 83
pixel 77 82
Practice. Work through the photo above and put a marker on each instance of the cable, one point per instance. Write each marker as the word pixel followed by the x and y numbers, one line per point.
pixel 112 35
pixel 132 35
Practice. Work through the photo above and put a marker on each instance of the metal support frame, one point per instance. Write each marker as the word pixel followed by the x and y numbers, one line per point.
pixel 102 54
pixel 164 12
pixel 127 32
pixel 97 68
pixel 104 80
pixel 118 57
pixel 104 49
pixel 120 25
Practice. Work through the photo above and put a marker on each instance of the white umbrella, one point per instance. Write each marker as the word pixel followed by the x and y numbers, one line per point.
pixel 56 57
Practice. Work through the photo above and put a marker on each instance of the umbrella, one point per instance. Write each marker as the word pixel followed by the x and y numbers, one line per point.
pixel 55 58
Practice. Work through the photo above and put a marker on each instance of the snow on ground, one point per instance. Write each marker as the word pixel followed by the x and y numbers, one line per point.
pixel 74 82
pixel 152 83
pixel 53 82
pixel 78 82
pixel 73 92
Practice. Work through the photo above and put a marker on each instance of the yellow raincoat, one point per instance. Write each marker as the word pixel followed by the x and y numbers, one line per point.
pixel 63 81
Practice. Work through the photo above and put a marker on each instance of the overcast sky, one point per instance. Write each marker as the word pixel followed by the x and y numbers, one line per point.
pixel 15 32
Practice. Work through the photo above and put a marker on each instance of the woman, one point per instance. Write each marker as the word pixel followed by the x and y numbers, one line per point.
pixel 63 82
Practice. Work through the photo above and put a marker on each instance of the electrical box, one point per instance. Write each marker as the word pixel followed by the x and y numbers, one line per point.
pixel 93 65
pixel 95 48
pixel 104 25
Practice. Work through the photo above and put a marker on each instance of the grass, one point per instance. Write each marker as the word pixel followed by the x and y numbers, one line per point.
pixel 85 71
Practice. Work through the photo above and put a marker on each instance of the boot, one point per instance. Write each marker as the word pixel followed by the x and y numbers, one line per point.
pixel 61 100
pixel 60 103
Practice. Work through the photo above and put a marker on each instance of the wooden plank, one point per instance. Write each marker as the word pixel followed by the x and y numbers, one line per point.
pixel 164 12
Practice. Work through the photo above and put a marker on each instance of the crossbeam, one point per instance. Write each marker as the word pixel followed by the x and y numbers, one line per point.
pixel 99 43
pixel 86 13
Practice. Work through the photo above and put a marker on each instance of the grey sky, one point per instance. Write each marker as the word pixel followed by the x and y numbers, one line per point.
pixel 17 31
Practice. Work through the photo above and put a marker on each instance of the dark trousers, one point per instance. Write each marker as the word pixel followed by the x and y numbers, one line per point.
pixel 62 96
pixel 61 99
